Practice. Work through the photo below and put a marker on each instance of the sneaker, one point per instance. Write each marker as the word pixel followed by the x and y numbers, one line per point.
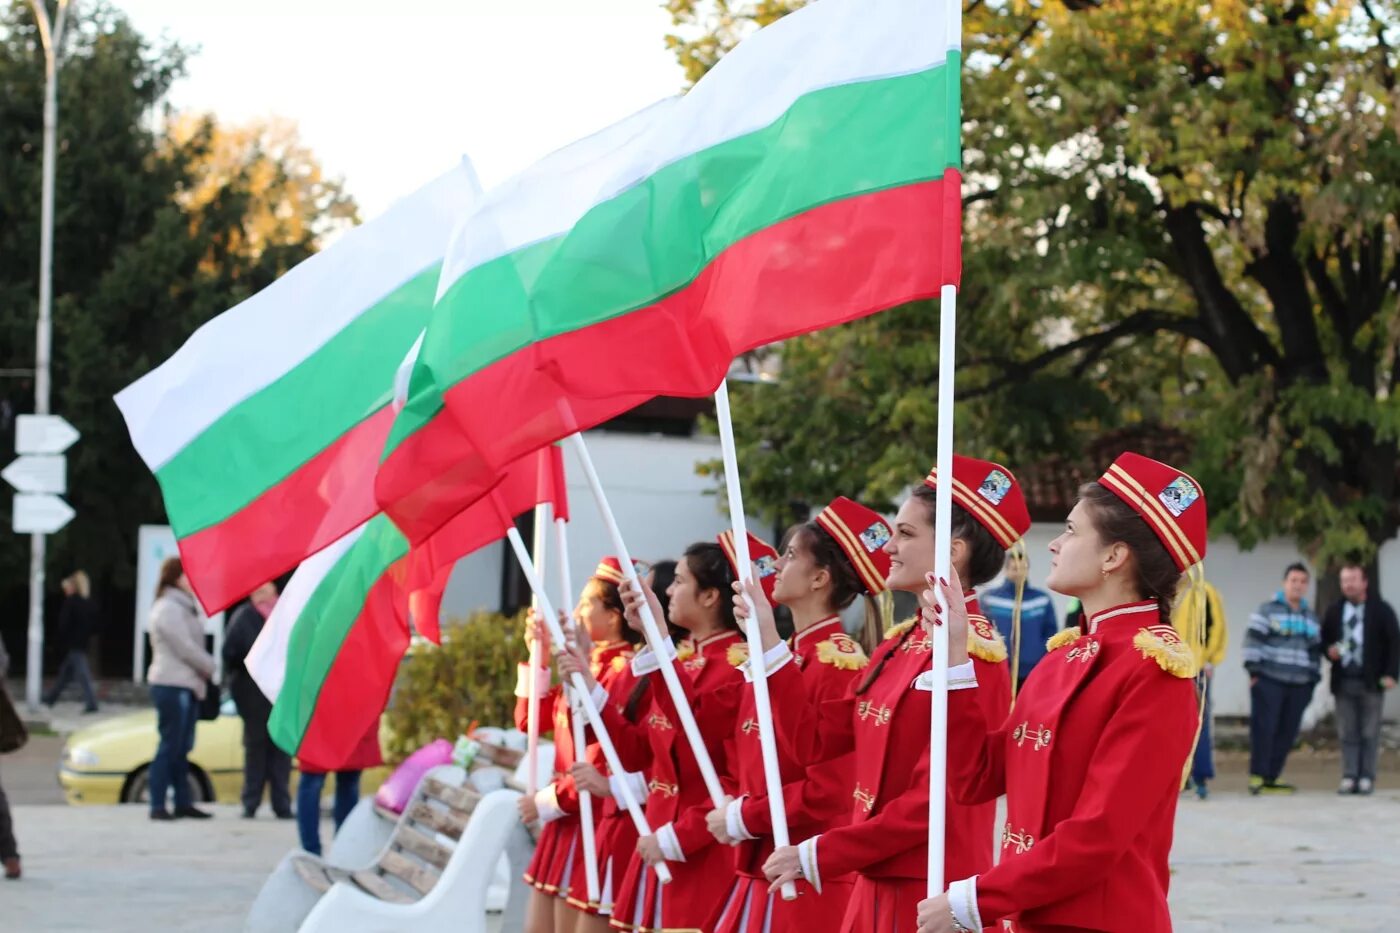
pixel 1348 786
pixel 288 815
pixel 250 814
pixel 161 816
pixel 89 710
pixel 1278 787
pixel 190 813
pixel 1365 786
pixel 1202 792
pixel 12 871
pixel 1256 784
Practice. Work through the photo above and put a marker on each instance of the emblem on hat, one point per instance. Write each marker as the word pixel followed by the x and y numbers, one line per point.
pixel 995 487
pixel 1180 495
pixel 765 566
pixel 875 537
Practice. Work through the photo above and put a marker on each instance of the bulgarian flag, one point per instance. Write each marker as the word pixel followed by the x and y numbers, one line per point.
pixel 264 430
pixel 328 654
pixel 812 177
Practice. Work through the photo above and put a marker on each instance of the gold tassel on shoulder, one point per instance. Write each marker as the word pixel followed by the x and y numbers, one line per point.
pixel 894 631
pixel 1162 644
pixel 738 654
pixel 984 641
pixel 1062 638
pixel 843 652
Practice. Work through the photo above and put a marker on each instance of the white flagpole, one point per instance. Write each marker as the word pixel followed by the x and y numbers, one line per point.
pixel 758 672
pixel 942 544
pixel 654 639
pixel 590 709
pixel 532 728
pixel 585 799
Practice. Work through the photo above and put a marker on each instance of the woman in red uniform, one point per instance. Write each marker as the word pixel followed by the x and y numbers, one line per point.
pixel 886 721
pixel 827 563
pixel 1091 761
pixel 558 854
pixel 616 837
pixel 701 603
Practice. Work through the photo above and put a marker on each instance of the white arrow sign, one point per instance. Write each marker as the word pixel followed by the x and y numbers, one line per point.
pixel 42 515
pixel 42 473
pixel 43 434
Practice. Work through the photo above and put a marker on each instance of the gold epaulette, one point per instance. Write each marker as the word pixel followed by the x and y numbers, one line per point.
pixel 686 651
pixel 1062 637
pixel 1162 644
pixel 984 641
pixel 619 663
pixel 738 654
pixel 842 651
pixel 894 631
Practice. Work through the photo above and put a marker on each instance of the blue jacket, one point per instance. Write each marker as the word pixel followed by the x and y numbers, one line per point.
pixel 1284 644
pixel 1038 622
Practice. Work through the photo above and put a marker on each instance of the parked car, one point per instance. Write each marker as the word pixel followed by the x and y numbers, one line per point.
pixel 109 762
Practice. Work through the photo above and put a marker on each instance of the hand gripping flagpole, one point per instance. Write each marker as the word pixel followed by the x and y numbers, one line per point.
pixel 758 670
pixel 654 639
pixel 942 544
pixel 585 799
pixel 532 728
pixel 590 709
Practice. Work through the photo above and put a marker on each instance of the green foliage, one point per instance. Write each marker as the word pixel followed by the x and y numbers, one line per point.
pixel 161 222
pixel 1176 213
pixel 442 690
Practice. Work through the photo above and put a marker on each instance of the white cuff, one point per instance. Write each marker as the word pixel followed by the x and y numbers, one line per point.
pixel 634 781
pixel 670 845
pixel 734 820
pixel 807 860
pixel 773 659
pixel 547 803
pixel 962 900
pixel 599 696
pixel 962 677
pixel 522 681
pixel 646 661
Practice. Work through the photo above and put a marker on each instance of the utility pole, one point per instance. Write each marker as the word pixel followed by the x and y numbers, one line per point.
pixel 51 35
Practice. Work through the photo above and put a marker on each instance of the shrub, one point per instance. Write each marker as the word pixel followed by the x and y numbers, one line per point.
pixel 441 690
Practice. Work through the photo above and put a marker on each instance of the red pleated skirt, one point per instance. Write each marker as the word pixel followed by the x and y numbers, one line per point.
pixel 749 908
pixel 616 839
pixel 884 905
pixel 683 906
pixel 552 867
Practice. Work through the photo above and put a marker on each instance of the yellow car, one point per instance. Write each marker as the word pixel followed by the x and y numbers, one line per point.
pixel 109 762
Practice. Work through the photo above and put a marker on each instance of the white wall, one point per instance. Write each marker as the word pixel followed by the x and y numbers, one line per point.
pixel 1245 579
pixel 661 504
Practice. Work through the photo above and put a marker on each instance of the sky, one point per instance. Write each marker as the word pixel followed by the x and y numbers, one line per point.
pixel 389 100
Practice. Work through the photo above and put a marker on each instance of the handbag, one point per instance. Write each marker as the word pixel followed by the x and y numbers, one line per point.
pixel 213 699
pixel 13 734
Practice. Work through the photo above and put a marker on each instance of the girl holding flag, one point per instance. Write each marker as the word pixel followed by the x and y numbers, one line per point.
pixel 885 719
pixel 678 799
pixel 1091 762
pixel 828 562
pixel 559 852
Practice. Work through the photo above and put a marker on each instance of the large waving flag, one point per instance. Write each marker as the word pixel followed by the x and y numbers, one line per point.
pixel 328 654
pixel 265 428
pixel 810 178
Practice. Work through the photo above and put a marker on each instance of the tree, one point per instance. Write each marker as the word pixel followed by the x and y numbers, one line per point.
pixel 1176 213
pixel 160 224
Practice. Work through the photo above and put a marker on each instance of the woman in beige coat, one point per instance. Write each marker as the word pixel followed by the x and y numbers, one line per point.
pixel 179 675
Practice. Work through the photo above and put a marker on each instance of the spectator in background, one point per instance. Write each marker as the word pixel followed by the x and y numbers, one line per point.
pixel 1074 613
pixel 264 764
pixel 1363 641
pixel 347 788
pixel 77 620
pixel 9 849
pixel 179 676
pixel 1283 654
pixel 1038 622
pixel 1201 624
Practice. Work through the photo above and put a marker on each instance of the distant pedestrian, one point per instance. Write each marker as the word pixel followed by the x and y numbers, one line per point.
pixel 1363 641
pixel 77 621
pixel 347 788
pixel 9 849
pixel 1038 622
pixel 1283 654
pixel 264 764
pixel 179 675
pixel 1208 635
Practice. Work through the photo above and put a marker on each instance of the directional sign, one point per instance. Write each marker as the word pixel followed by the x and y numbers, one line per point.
pixel 43 434
pixel 43 515
pixel 39 473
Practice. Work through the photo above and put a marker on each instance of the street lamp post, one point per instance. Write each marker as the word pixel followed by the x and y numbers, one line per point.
pixel 51 35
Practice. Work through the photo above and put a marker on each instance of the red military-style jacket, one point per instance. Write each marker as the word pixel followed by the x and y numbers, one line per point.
pixel 1091 763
